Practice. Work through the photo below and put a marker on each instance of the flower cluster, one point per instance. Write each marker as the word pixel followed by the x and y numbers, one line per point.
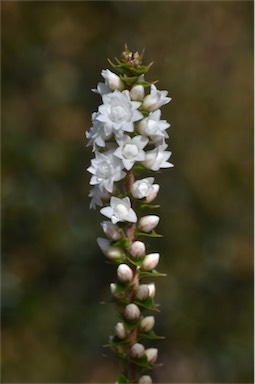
pixel 128 137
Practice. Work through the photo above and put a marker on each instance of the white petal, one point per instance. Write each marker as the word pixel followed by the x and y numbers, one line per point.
pixel 107 211
pixel 131 216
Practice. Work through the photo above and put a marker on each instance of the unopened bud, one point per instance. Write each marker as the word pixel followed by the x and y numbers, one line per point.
pixel 112 80
pixel 142 292
pixel 145 380
pixel 112 253
pixel 151 261
pixel 152 290
pixel 147 324
pixel 115 293
pixel 111 230
pixel 124 273
pixel 132 312
pixel 120 330
pixel 152 355
pixel 137 249
pixel 151 102
pixel 137 93
pixel 149 222
pixel 153 193
pixel 142 188
pixel 137 351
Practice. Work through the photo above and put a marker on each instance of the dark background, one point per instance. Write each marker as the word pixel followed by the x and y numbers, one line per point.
pixel 53 274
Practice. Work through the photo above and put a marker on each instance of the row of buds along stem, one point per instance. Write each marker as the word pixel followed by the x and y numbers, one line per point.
pixel 128 137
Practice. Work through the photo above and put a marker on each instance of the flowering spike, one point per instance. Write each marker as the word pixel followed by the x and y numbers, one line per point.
pixel 128 136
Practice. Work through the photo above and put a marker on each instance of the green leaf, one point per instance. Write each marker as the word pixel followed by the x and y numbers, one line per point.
pixel 150 234
pixel 122 379
pixel 153 273
pixel 150 335
pixel 137 263
pixel 142 362
pixel 147 303
pixel 129 80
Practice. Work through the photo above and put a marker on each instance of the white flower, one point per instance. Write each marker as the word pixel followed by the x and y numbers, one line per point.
pixel 145 380
pixel 148 223
pixel 132 312
pixel 96 134
pixel 137 351
pixel 142 292
pixel 102 89
pixel 124 273
pixel 131 150
pixel 120 330
pixel 137 249
pixel 153 127
pixel 152 354
pixel 147 323
pixel 153 193
pixel 112 80
pixel 152 290
pixel 137 93
pixel 97 195
pixel 142 188
pixel 157 158
pixel 113 253
pixel 105 168
pixel 119 113
pixel 155 99
pixel 111 230
pixel 119 210
pixel 151 261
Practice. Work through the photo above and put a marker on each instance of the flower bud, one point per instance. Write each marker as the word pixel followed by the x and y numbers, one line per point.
pixel 137 249
pixel 112 80
pixel 152 290
pixel 124 273
pixel 137 93
pixel 132 312
pixel 142 188
pixel 111 230
pixel 147 223
pixel 142 292
pixel 112 253
pixel 120 330
pixel 137 351
pixel 145 380
pixel 151 261
pixel 152 354
pixel 151 102
pixel 153 193
pixel 115 293
pixel 147 324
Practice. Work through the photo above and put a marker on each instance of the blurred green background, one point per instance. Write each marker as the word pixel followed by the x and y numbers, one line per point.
pixel 53 274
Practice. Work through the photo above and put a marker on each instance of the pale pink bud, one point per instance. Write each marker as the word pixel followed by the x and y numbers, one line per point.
pixel 147 223
pixel 151 261
pixel 137 351
pixel 145 380
pixel 112 253
pixel 142 292
pixel 120 330
pixel 112 80
pixel 153 193
pixel 147 324
pixel 124 273
pixel 137 93
pixel 151 102
pixel 113 288
pixel 137 249
pixel 132 312
pixel 115 293
pixel 152 355
pixel 111 230
pixel 152 290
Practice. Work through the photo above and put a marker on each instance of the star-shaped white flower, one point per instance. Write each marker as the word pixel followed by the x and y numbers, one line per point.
pixel 153 127
pixel 119 210
pixel 96 134
pixel 97 195
pixel 157 158
pixel 155 99
pixel 106 169
pixel 131 150
pixel 118 113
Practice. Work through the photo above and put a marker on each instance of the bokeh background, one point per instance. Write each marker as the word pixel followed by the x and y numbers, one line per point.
pixel 53 274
